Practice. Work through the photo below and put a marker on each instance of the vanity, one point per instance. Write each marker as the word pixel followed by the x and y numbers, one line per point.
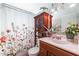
pixel 49 47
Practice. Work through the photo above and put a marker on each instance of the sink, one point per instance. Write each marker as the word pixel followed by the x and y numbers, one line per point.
pixel 60 41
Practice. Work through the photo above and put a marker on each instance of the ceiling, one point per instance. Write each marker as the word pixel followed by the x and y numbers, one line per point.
pixel 32 7
pixel 63 8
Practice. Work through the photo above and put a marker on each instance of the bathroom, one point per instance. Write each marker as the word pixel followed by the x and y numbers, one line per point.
pixel 19 34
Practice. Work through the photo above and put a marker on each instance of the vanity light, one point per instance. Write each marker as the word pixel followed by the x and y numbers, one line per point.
pixel 72 5
pixel 52 10
pixel 55 12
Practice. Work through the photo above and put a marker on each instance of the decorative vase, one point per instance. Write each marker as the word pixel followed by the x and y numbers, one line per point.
pixel 69 36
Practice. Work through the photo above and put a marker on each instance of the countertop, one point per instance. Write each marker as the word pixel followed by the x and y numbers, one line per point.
pixel 66 45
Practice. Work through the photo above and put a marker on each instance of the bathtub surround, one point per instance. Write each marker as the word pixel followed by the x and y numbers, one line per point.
pixel 17 26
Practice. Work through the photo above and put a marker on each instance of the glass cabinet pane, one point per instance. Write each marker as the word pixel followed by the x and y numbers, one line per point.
pixel 41 22
pixel 36 24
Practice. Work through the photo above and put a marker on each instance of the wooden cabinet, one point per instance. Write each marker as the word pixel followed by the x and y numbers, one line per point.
pixel 50 50
pixel 41 23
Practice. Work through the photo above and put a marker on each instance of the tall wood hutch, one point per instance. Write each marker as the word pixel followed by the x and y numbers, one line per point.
pixel 41 23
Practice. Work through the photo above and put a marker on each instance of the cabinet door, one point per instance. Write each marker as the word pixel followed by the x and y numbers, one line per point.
pixel 57 51
pixel 43 52
pixel 50 53
pixel 50 50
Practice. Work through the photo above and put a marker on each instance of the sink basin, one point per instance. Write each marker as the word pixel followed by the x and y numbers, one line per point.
pixel 60 41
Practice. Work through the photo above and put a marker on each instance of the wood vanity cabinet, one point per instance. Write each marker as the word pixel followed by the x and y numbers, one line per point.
pixel 50 50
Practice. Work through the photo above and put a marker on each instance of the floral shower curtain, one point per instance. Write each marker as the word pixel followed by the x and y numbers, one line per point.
pixel 13 41
pixel 15 38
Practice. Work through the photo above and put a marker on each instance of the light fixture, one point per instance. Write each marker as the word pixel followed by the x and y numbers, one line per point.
pixel 52 10
pixel 72 5
pixel 55 12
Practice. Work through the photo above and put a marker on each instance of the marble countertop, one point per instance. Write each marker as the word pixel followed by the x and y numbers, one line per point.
pixel 64 44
